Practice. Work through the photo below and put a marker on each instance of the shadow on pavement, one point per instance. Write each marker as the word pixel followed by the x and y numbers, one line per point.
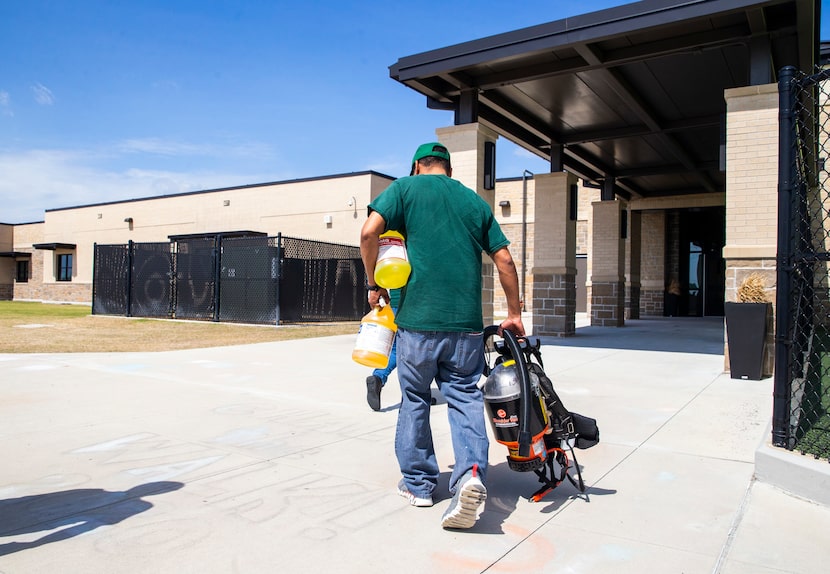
pixel 702 335
pixel 62 515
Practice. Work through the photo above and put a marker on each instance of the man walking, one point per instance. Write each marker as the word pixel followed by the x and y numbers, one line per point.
pixel 447 226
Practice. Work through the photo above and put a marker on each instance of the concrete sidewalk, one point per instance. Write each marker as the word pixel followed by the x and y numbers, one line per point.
pixel 266 458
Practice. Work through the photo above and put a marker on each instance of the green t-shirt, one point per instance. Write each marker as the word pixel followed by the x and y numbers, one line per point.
pixel 394 297
pixel 447 226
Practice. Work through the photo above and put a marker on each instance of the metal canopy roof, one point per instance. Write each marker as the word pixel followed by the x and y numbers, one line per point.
pixel 631 96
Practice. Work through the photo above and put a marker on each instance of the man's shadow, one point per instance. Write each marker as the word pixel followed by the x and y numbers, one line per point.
pixel 73 512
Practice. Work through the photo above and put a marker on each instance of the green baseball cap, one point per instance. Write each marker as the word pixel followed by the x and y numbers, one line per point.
pixel 433 149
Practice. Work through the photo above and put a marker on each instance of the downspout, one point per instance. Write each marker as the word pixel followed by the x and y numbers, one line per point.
pixel 524 234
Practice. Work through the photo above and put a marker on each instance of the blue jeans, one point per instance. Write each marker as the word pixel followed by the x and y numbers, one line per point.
pixel 383 374
pixel 455 361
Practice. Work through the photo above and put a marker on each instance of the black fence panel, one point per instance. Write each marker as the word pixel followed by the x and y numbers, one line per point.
pixel 248 280
pixel 321 282
pixel 150 289
pixel 253 279
pixel 196 261
pixel 801 417
pixel 111 268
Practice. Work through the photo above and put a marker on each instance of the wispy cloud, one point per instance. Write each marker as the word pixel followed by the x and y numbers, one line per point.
pixel 172 148
pixel 36 180
pixel 5 104
pixel 43 95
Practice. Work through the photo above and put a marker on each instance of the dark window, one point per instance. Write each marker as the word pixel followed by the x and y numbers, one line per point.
pixel 23 271
pixel 65 267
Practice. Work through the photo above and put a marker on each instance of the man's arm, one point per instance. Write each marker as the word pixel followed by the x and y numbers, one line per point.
pixel 372 228
pixel 509 279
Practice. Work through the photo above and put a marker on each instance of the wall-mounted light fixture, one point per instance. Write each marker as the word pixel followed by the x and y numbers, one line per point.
pixel 353 203
pixel 128 220
pixel 226 203
pixel 504 203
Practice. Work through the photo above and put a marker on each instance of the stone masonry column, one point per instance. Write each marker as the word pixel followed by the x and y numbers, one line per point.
pixel 554 256
pixel 466 145
pixel 752 194
pixel 652 263
pixel 608 269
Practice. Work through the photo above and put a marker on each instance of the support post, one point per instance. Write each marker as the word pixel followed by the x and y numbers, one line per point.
pixel 786 158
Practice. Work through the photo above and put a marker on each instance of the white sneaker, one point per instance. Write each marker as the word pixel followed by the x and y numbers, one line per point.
pixel 413 500
pixel 469 494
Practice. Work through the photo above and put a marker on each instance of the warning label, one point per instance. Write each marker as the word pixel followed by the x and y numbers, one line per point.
pixel 374 338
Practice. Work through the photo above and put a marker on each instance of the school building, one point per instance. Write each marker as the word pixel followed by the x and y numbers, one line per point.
pixel 659 120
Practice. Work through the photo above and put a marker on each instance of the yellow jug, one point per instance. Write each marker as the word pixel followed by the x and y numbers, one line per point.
pixel 392 268
pixel 375 338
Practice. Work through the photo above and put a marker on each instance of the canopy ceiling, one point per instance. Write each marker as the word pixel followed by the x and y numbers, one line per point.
pixel 631 97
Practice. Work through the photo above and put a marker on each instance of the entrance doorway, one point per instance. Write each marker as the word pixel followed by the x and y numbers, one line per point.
pixel 701 267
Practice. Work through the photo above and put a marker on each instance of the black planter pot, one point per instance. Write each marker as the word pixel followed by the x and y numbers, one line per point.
pixel 746 330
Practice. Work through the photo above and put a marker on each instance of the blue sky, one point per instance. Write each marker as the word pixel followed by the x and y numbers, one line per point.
pixel 110 100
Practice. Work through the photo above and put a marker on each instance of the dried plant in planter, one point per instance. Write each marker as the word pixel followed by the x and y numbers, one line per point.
pixel 752 289
pixel 747 326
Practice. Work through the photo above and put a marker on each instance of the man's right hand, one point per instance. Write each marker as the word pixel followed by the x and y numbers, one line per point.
pixel 375 296
pixel 514 325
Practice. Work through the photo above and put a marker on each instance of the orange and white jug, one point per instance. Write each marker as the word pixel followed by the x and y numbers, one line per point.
pixel 375 338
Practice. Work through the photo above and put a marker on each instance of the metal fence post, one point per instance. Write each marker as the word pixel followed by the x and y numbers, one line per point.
pixel 278 274
pixel 786 174
pixel 217 272
pixel 94 270
pixel 130 248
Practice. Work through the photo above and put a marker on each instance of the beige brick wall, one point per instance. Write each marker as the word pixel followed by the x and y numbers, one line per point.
pixel 35 289
pixel 555 241
pixel 752 170
pixel 510 219
pixel 608 250
pixel 652 263
pixel 6 237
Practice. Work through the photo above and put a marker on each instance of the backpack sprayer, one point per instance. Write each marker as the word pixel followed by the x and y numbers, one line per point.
pixel 528 417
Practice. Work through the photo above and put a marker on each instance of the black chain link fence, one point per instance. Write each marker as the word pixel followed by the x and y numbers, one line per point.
pixel 247 279
pixel 110 289
pixel 801 418
pixel 321 281
pixel 195 279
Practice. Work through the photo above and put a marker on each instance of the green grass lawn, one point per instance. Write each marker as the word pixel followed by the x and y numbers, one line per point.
pixel 52 328
pixel 813 435
pixel 30 310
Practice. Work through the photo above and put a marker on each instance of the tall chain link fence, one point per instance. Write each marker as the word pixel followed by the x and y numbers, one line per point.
pixel 250 279
pixel 801 417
